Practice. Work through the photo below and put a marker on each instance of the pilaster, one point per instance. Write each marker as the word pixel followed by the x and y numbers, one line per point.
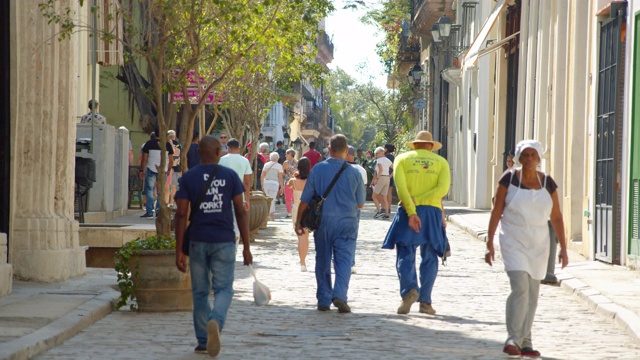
pixel 44 235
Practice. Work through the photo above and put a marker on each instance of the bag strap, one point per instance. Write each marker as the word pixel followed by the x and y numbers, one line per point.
pixel 203 192
pixel 335 179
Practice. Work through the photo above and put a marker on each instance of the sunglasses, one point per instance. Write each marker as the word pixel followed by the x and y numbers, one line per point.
pixel 223 137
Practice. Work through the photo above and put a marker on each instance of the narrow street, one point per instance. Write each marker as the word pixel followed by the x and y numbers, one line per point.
pixel 469 297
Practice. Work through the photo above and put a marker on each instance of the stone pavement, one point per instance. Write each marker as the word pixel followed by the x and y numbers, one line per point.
pixel 469 297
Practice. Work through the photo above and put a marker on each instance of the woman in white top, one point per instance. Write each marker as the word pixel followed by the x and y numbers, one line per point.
pixel 297 183
pixel 380 184
pixel 525 199
pixel 271 180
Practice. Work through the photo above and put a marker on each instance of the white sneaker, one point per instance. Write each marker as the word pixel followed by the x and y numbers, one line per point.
pixel 353 269
pixel 303 268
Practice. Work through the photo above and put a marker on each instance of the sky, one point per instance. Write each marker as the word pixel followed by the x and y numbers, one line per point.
pixel 354 44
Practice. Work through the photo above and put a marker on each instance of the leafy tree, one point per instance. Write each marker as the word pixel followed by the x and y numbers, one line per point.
pixel 195 41
pixel 348 108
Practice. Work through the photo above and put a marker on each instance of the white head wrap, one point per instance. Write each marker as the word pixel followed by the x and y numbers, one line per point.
pixel 528 144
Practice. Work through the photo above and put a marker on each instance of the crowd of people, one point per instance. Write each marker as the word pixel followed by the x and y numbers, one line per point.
pixel 526 219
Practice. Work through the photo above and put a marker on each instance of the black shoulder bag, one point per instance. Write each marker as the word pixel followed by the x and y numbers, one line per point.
pixel 312 215
pixel 194 209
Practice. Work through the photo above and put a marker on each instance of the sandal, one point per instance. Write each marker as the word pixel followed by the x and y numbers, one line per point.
pixel 528 351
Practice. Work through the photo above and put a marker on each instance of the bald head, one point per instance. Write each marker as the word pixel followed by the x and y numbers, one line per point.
pixel 209 150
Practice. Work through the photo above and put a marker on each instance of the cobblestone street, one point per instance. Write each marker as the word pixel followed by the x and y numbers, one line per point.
pixel 469 297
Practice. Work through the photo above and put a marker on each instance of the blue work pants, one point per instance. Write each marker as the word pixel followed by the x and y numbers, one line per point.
pixel 335 238
pixel 406 267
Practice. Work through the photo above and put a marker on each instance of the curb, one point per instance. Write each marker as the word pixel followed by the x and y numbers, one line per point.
pixel 60 330
pixel 596 302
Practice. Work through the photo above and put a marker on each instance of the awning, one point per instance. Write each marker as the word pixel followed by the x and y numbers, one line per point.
pixel 471 56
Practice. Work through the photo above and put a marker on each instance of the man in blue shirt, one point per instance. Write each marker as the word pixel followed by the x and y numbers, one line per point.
pixel 212 245
pixel 338 230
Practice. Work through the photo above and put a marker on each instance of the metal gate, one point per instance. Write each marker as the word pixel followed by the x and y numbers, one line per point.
pixel 607 244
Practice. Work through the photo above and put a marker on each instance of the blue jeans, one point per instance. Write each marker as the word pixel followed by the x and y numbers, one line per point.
pixel 406 267
pixel 211 263
pixel 150 179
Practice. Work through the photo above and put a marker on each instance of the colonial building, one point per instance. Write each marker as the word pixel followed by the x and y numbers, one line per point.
pixel 560 72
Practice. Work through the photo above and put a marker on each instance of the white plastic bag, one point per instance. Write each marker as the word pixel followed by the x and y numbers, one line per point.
pixel 261 293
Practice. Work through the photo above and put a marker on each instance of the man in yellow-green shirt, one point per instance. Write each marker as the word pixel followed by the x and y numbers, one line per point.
pixel 422 179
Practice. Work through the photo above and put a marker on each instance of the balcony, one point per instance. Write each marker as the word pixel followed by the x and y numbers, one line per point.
pixel 325 49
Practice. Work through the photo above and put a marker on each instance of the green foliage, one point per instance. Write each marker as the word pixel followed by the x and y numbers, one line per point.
pixel 125 273
pixel 217 40
pixel 355 117
pixel 388 17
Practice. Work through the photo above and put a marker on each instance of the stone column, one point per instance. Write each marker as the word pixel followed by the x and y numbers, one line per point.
pixel 43 237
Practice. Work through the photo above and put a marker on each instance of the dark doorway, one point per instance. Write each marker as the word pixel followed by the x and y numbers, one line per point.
pixel 5 119
pixel 444 117
pixel 608 130
pixel 512 49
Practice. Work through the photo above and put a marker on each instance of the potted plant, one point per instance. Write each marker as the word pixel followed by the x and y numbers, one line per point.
pixel 148 278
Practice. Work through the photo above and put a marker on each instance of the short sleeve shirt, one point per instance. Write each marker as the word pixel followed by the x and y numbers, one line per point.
pixel 313 156
pixel 515 181
pixel 237 163
pixel 97 119
pixel 386 164
pixel 152 148
pixel 347 193
pixel 213 220
pixel 271 170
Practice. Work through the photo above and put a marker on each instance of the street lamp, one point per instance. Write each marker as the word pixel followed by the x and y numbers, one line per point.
pixel 444 27
pixel 297 144
pixel 415 74
pixel 435 33
pixel 287 139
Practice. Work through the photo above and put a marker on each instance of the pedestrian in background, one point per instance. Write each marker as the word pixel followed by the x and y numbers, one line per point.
pixel 351 159
pixel 238 163
pixel 297 183
pixel 312 154
pixel 509 162
pixel 272 181
pixel 380 183
pixel 223 143
pixel 389 149
pixel 422 180
pixel 172 180
pixel 193 157
pixel 290 166
pixel 336 236
pixel 97 118
pixel 525 199
pixel 212 245
pixel 151 157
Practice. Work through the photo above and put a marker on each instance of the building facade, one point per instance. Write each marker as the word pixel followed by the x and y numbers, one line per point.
pixel 561 72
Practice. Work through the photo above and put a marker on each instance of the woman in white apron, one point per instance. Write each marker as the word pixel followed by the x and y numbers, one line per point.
pixel 525 200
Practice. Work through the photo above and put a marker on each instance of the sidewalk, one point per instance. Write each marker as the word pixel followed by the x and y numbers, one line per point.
pixel 41 316
pixel 609 290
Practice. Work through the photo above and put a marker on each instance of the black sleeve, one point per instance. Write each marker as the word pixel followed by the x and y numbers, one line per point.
pixel 505 179
pixel 551 185
pixel 169 148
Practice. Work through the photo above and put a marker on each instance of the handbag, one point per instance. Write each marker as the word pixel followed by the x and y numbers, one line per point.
pixel 194 208
pixel 312 215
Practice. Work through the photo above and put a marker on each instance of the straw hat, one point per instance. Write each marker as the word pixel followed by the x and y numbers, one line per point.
pixel 425 137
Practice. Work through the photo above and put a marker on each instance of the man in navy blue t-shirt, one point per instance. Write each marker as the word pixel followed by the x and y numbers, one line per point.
pixel 212 245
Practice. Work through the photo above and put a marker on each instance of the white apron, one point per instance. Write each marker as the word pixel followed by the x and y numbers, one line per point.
pixel 523 232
